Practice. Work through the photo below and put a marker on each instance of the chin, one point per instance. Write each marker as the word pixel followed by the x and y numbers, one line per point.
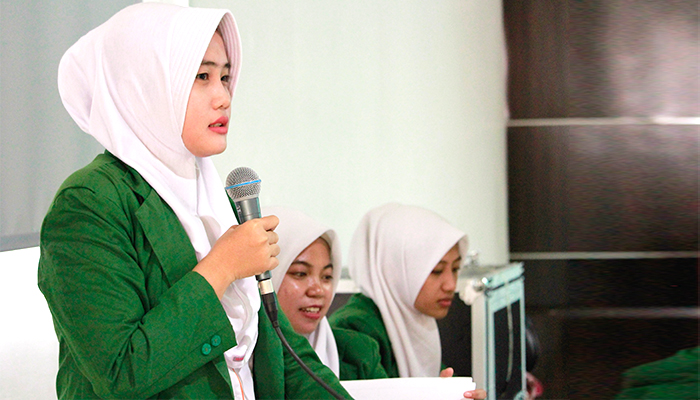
pixel 210 152
pixel 218 152
pixel 218 149
pixel 303 329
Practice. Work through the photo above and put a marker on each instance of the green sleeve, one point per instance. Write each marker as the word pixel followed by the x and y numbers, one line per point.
pixel 359 356
pixel 277 374
pixel 676 377
pixel 124 330
pixel 360 314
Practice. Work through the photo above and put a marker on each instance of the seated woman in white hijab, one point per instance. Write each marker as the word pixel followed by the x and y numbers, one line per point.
pixel 305 282
pixel 148 279
pixel 404 259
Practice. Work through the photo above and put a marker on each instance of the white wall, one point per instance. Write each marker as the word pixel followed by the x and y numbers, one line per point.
pixel 40 145
pixel 345 105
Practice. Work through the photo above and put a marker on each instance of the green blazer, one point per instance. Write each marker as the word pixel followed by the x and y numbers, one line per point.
pixel 360 314
pixel 359 356
pixel 132 319
pixel 675 377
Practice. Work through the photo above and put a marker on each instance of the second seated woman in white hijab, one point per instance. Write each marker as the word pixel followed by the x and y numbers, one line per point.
pixel 305 282
pixel 404 259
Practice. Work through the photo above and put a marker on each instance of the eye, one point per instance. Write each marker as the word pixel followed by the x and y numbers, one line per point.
pixel 328 278
pixel 226 78
pixel 203 76
pixel 437 271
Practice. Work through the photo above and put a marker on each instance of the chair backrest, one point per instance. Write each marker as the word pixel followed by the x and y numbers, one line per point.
pixel 28 344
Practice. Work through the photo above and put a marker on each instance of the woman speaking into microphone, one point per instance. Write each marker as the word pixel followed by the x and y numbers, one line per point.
pixel 147 276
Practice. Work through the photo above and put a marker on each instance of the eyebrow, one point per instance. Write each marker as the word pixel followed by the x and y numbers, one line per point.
pixel 213 64
pixel 307 265
pixel 456 259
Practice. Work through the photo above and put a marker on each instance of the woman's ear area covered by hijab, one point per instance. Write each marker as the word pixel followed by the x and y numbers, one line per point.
pixel 153 52
pixel 297 231
pixel 307 288
pixel 435 296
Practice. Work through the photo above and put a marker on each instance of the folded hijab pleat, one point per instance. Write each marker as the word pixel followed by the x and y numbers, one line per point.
pixel 296 232
pixel 127 84
pixel 392 252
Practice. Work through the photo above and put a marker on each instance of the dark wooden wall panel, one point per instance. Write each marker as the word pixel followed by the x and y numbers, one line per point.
pixel 604 188
pixel 634 58
pixel 597 350
pixel 591 353
pixel 537 186
pixel 601 187
pixel 536 34
pixel 578 284
pixel 654 283
pixel 603 58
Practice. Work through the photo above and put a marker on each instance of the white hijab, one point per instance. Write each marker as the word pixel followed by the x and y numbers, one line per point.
pixel 296 232
pixel 392 252
pixel 127 83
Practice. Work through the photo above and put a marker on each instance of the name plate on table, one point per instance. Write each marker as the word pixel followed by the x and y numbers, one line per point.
pixel 410 388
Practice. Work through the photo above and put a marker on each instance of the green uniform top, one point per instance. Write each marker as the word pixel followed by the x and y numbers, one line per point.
pixel 360 314
pixel 675 377
pixel 132 318
pixel 359 356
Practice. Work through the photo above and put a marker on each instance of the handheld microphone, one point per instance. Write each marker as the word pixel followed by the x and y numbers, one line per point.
pixel 243 187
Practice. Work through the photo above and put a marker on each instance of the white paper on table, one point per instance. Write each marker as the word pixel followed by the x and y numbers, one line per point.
pixel 410 388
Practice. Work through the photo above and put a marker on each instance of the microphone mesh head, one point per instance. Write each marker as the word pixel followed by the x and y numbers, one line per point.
pixel 242 182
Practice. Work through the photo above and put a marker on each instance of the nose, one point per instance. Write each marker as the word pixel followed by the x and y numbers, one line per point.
pixel 315 289
pixel 449 283
pixel 222 97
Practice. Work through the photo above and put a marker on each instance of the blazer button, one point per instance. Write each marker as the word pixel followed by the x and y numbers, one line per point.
pixel 206 349
pixel 215 340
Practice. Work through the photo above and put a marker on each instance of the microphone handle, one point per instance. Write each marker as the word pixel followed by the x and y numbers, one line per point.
pixel 247 209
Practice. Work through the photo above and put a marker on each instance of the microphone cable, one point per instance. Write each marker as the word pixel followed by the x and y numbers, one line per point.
pixel 271 311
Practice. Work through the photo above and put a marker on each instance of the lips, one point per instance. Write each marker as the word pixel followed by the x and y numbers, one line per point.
pixel 220 126
pixel 445 302
pixel 313 312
